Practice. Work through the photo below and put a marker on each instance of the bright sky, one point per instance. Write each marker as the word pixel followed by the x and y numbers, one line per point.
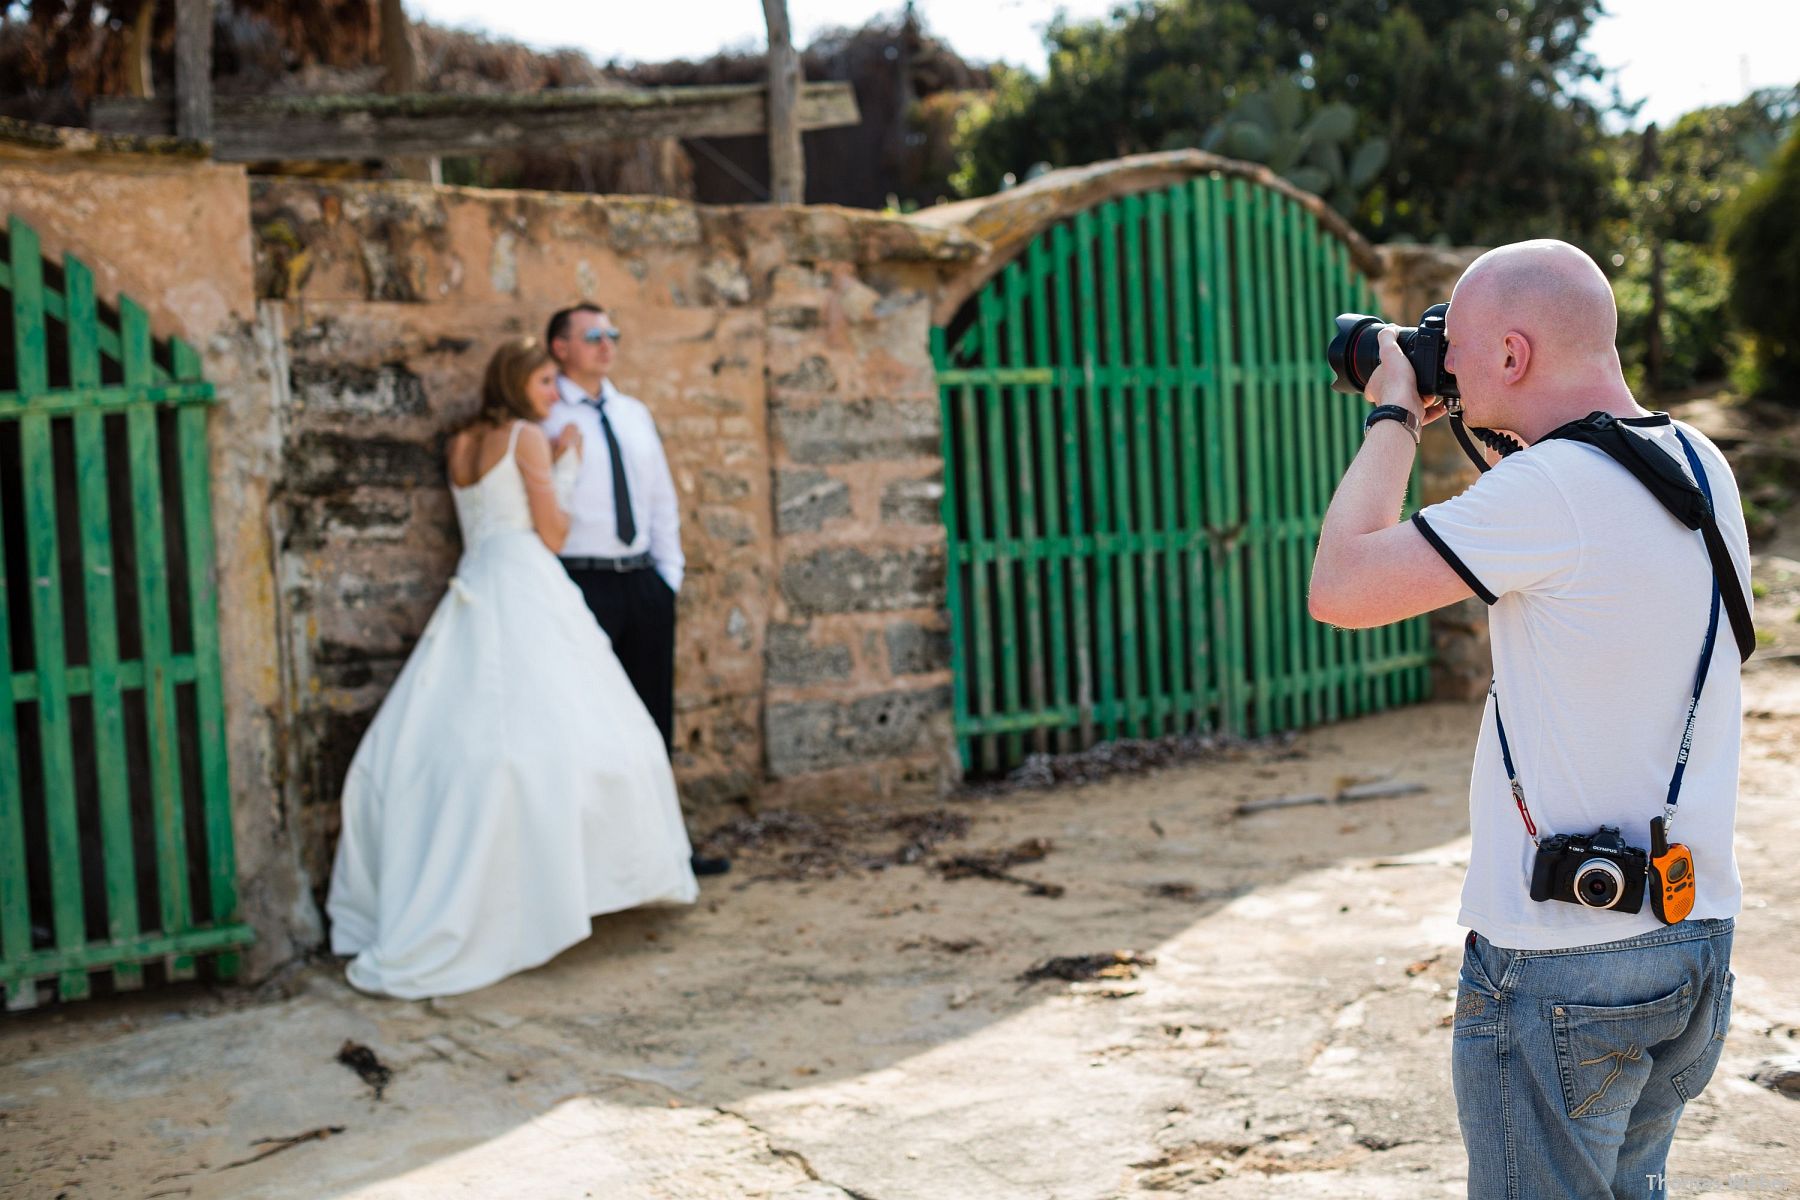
pixel 1676 54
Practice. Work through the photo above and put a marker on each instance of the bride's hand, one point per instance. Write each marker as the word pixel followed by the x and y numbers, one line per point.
pixel 569 439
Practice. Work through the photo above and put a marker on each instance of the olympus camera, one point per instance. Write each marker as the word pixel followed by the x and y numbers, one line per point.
pixel 1595 870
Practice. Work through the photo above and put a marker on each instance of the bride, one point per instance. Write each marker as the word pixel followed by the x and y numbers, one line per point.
pixel 512 784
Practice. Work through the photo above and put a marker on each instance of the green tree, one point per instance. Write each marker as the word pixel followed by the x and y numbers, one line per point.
pixel 1673 281
pixel 1483 103
pixel 1763 242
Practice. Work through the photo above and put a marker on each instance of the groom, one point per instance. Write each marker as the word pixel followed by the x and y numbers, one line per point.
pixel 624 545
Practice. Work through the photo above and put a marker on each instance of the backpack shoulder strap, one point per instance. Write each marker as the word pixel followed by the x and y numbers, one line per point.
pixel 1684 498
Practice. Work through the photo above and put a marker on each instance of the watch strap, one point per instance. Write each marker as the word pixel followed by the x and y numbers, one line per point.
pixel 1393 412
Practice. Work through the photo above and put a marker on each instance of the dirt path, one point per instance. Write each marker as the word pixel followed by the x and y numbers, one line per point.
pixel 868 1036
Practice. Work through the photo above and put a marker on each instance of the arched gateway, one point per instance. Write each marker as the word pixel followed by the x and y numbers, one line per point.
pixel 1140 441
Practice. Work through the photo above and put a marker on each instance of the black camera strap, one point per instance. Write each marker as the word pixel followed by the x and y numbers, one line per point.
pixel 1704 490
pixel 1657 471
pixel 1687 500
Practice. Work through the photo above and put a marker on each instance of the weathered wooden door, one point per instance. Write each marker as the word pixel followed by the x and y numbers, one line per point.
pixel 115 820
pixel 1140 441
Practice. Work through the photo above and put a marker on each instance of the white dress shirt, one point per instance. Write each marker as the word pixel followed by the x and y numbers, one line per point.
pixel 593 525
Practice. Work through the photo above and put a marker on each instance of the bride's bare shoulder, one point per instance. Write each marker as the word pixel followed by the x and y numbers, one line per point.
pixel 463 454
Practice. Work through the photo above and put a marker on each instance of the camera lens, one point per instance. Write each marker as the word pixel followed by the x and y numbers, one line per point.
pixel 1599 883
pixel 1355 351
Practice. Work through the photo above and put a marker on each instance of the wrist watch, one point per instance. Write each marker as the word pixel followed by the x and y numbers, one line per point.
pixel 1393 412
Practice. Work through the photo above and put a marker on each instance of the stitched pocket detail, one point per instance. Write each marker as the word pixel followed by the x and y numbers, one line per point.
pixel 1602 1052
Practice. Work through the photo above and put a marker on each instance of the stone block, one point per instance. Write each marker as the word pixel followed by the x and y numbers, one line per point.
pixel 727 526
pixel 915 649
pixel 847 579
pixel 722 487
pixel 805 500
pixel 914 501
pixel 812 374
pixel 822 734
pixel 339 390
pixel 835 431
pixel 327 463
pixel 793 658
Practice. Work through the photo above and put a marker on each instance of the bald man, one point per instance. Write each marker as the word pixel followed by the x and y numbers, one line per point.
pixel 1580 1031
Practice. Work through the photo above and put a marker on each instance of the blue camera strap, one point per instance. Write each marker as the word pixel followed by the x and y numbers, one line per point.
pixel 1693 708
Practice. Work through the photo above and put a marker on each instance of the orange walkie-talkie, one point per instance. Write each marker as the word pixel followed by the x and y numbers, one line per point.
pixel 1671 876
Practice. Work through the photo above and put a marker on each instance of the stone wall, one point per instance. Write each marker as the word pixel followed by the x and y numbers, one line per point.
pixel 785 356
pixel 783 351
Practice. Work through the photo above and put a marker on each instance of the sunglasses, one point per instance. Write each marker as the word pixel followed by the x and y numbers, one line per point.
pixel 598 335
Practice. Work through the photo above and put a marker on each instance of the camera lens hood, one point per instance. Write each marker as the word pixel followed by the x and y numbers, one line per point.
pixel 1354 352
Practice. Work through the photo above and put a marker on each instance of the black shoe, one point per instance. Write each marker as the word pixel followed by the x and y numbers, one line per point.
pixel 709 866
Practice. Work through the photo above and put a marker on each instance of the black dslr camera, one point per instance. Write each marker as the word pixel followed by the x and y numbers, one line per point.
pixel 1596 870
pixel 1355 353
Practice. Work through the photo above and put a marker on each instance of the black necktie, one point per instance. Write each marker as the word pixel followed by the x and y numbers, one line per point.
pixel 621 490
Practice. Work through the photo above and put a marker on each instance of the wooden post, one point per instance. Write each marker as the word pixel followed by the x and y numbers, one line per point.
pixel 193 69
pixel 400 59
pixel 787 161
pixel 137 52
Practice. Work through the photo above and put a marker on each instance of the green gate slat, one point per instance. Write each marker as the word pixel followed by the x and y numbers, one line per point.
pixel 1140 399
pixel 83 323
pixel 1293 612
pixel 1223 520
pixel 1118 429
pixel 980 614
pixel 1021 402
pixel 1189 400
pixel 1165 580
pixel 153 620
pixel 1313 326
pixel 1044 402
pixel 56 751
pixel 1095 399
pixel 1073 399
pixel 1250 330
pixel 947 509
pixel 1268 446
pixel 15 890
pixel 209 700
pixel 999 479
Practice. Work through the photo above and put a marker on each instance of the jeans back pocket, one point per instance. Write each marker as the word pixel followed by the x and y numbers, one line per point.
pixel 1602 1053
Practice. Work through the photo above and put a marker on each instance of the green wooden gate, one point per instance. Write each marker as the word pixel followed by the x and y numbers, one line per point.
pixel 115 822
pixel 1140 442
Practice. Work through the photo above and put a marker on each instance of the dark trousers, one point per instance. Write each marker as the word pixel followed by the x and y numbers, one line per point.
pixel 637 610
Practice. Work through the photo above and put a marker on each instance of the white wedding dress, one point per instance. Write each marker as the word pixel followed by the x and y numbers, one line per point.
pixel 512 784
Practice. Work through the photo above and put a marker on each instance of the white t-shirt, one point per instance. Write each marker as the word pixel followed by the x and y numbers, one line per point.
pixel 1598 603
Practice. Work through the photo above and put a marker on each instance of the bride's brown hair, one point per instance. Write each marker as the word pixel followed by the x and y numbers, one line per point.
pixel 503 386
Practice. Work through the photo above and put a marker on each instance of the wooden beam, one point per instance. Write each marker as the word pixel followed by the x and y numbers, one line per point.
pixel 268 128
pixel 193 69
pixel 787 159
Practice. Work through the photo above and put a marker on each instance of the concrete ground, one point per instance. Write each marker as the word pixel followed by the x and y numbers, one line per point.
pixel 868 1036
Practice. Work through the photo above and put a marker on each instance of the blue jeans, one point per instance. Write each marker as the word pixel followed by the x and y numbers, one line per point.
pixel 1571 1067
